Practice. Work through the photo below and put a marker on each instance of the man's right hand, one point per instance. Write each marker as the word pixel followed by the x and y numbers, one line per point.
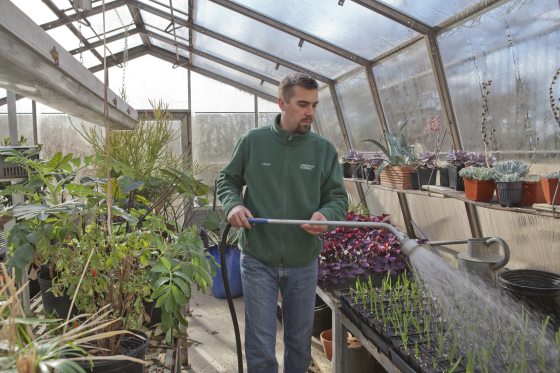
pixel 239 217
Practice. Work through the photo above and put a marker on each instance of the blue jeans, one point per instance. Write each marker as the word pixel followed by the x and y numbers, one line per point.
pixel 260 292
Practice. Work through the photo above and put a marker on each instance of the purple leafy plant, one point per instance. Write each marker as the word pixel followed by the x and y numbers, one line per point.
pixel 457 157
pixel 350 252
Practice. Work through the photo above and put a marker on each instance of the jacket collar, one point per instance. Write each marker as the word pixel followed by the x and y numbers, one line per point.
pixel 286 137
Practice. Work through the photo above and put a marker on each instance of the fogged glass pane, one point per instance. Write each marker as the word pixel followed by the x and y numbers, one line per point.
pixel 114 19
pixel 24 127
pixel 118 46
pixel 89 60
pixel 520 56
pixel 155 21
pixel 164 5
pixel 168 35
pixel 350 26
pixel 327 120
pixel 432 12
pixel 240 57
pixel 235 75
pixel 214 136
pixel 356 102
pixel 169 47
pixel 23 105
pixel 36 10
pixel 273 41
pixel 267 118
pixel 408 93
pixel 64 37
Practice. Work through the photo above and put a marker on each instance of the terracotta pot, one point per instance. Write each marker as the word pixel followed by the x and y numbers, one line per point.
pixel 326 341
pixel 479 190
pixel 549 189
pixel 532 193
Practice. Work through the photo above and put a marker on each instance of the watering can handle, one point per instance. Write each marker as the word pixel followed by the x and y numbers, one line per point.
pixel 504 246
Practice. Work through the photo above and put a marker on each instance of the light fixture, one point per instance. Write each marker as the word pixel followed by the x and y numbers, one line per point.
pixel 300 44
pixel 341 2
pixel 277 66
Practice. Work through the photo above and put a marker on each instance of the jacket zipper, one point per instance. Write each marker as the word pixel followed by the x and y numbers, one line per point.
pixel 285 204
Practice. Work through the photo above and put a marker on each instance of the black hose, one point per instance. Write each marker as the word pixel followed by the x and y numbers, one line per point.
pixel 223 247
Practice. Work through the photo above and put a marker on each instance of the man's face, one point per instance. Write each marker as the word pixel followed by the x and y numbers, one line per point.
pixel 299 111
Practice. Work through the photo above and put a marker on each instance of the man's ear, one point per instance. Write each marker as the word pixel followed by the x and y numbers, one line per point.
pixel 281 103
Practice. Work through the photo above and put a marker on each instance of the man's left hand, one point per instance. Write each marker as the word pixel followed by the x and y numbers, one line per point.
pixel 315 229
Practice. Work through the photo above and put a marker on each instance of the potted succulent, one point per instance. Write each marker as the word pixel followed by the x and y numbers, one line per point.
pixel 349 253
pixel 549 184
pixel 352 162
pixel 456 160
pixel 396 170
pixel 479 183
pixel 509 182
pixel 478 159
pixel 426 168
pixel 371 164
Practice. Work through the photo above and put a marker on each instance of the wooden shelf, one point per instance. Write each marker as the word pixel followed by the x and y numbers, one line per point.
pixel 541 209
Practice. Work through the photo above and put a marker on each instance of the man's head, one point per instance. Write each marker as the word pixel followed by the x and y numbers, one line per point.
pixel 297 99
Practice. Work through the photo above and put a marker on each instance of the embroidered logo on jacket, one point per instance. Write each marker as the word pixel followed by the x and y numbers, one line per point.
pixel 306 167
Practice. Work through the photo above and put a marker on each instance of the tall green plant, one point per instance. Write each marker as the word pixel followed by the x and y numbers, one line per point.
pixel 397 152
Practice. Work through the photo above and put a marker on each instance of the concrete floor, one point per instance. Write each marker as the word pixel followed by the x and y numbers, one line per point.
pixel 213 339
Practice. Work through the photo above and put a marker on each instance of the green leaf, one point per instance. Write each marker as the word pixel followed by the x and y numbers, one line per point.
pixel 165 263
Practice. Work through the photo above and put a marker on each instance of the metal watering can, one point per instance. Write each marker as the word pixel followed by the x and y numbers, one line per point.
pixel 482 257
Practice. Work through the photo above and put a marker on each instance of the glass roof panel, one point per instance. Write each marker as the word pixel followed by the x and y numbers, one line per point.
pixel 89 60
pixel 431 12
pixel 349 27
pixel 240 57
pixel 180 7
pixel 64 37
pixel 36 10
pixel 118 46
pixel 168 35
pixel 275 42
pixel 153 20
pixel 235 75
pixel 169 47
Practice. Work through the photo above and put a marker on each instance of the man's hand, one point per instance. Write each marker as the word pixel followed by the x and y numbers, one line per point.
pixel 315 229
pixel 238 217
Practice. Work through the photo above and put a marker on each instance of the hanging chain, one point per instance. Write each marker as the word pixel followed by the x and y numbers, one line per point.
pixel 125 57
pixel 81 43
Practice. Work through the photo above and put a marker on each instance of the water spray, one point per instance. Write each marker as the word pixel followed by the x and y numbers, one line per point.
pixel 407 247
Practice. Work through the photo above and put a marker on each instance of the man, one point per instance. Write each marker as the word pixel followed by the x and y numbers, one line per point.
pixel 289 173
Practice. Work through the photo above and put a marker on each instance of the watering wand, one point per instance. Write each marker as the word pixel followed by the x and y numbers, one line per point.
pixel 407 246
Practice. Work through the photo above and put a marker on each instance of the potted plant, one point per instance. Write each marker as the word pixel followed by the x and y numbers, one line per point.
pixel 352 162
pixel 396 170
pixel 479 183
pixel 349 252
pixel 138 256
pixel 549 184
pixel 62 345
pixel 532 190
pixel 426 168
pixel 371 165
pixel 456 160
pixel 509 184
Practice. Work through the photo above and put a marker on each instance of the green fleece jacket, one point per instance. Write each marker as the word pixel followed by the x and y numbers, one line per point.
pixel 287 176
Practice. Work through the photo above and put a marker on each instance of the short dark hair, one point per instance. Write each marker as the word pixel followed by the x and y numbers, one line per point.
pixel 285 89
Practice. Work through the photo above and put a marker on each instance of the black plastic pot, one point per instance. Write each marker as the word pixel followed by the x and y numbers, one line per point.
pixel 153 313
pixel 131 345
pixel 455 181
pixel 426 176
pixel 51 303
pixel 509 194
pixel 539 289
pixel 444 177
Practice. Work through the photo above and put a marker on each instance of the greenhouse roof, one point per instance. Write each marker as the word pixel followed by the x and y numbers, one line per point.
pixel 261 41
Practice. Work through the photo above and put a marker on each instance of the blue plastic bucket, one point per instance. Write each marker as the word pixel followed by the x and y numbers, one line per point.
pixel 233 271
